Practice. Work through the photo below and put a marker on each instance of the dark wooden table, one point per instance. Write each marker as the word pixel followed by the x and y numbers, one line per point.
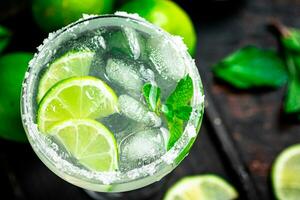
pixel 253 118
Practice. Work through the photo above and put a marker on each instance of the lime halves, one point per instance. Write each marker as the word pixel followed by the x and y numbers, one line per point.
pixel 67 112
pixel 285 174
pixel 202 187
pixel 70 65
pixel 76 98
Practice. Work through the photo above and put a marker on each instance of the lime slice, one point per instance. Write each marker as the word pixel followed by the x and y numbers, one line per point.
pixel 78 97
pixel 204 187
pixel 285 174
pixel 70 65
pixel 90 142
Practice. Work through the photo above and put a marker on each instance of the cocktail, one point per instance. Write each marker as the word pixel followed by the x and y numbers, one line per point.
pixel 112 103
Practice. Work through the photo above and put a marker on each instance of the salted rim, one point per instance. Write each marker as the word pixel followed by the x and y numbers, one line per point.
pixel 76 175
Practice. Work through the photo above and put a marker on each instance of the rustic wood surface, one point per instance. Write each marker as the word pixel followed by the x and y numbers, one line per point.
pixel 253 118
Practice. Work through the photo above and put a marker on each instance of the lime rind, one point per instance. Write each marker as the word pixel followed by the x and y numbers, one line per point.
pixel 195 187
pixel 70 65
pixel 90 142
pixel 75 98
pixel 284 175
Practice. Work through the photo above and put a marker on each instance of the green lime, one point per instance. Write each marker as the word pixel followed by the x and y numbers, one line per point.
pixel 168 15
pixel 285 174
pixel 12 69
pixel 90 142
pixel 204 187
pixel 54 14
pixel 76 98
pixel 70 65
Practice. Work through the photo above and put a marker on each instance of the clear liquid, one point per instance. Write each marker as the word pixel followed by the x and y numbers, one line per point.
pixel 126 59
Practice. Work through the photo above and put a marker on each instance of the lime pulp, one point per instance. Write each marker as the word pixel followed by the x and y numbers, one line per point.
pixel 90 142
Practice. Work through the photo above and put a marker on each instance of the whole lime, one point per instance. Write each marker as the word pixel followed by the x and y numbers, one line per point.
pixel 12 70
pixel 168 15
pixel 54 14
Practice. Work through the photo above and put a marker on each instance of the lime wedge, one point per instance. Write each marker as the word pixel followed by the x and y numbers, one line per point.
pixel 204 187
pixel 285 174
pixel 90 142
pixel 76 98
pixel 70 65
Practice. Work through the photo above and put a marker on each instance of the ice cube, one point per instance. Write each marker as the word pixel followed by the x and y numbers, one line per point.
pixel 121 125
pixel 98 64
pixel 141 148
pixel 136 111
pixel 127 42
pixel 116 122
pixel 166 59
pixel 147 75
pixel 133 41
pixel 98 41
pixel 93 40
pixel 125 75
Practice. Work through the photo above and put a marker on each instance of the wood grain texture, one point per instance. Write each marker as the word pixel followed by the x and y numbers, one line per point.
pixel 254 118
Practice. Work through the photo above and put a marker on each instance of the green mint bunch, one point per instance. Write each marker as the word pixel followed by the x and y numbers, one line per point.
pixel 253 67
pixel 176 109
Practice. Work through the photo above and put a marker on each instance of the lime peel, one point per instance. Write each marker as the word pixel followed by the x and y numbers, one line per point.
pixel 200 187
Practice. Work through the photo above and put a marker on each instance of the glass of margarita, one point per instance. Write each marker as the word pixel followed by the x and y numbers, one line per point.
pixel 112 103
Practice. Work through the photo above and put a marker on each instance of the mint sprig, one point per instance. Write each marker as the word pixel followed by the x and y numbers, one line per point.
pixel 183 112
pixel 175 128
pixel 176 109
pixel 252 67
pixel 152 96
pixel 182 94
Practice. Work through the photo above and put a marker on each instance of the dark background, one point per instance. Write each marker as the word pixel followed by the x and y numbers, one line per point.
pixel 252 118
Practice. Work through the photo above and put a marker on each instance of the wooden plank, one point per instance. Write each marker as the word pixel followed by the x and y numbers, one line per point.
pixel 228 148
pixel 254 118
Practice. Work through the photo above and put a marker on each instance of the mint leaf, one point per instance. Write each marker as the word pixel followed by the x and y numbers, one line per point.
pixel 175 129
pixel 183 112
pixel 291 40
pixel 182 94
pixel 168 112
pixel 177 109
pixel 292 98
pixel 152 96
pixel 4 38
pixel 252 67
